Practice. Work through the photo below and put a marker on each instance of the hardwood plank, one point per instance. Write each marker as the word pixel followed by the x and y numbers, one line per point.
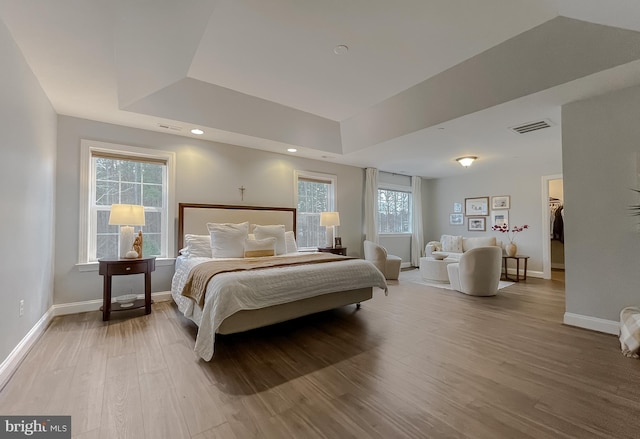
pixel 222 431
pixel 120 336
pixel 147 346
pixel 93 434
pixel 200 403
pixel 86 393
pixel 161 408
pixel 122 409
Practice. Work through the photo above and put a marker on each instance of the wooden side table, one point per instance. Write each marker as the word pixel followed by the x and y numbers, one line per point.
pixel 335 250
pixel 517 259
pixel 122 267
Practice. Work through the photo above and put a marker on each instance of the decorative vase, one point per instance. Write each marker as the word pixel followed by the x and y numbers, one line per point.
pixel 511 249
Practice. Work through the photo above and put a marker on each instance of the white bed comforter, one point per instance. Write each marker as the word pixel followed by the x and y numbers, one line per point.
pixel 228 293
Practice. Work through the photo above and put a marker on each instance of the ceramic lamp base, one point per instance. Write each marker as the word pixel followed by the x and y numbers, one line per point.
pixel 126 240
pixel 330 232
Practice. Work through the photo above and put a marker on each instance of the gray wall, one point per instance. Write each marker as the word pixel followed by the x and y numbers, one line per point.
pixel 27 179
pixel 523 184
pixel 601 141
pixel 206 172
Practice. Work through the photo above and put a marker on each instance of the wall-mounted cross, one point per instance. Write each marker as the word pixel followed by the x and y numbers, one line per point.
pixel 242 189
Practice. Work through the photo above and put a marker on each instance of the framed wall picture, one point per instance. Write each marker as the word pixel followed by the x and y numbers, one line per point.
pixel 476 206
pixel 456 219
pixel 477 224
pixel 500 202
pixel 499 218
pixel 457 207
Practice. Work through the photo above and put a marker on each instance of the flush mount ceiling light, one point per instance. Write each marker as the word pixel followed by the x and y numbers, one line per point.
pixel 466 161
pixel 197 131
pixel 292 150
pixel 341 49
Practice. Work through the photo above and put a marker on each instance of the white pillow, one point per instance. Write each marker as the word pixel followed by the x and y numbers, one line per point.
pixel 227 240
pixel 290 242
pixel 274 231
pixel 197 246
pixel 451 243
pixel 255 248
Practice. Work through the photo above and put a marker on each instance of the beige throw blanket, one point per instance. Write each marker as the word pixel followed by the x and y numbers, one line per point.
pixel 196 285
pixel 630 331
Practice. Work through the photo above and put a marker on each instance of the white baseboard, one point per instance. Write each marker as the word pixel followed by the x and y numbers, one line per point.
pixel 94 305
pixel 592 323
pixel 11 363
pixel 405 265
pixel 512 271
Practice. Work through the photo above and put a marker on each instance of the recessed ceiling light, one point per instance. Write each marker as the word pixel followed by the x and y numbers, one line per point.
pixel 341 49
pixel 197 131
pixel 292 150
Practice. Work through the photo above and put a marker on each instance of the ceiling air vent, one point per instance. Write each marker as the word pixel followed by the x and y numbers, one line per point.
pixel 532 126
pixel 169 127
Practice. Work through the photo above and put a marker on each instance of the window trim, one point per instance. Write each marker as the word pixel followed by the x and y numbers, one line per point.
pixel 87 150
pixel 397 188
pixel 297 174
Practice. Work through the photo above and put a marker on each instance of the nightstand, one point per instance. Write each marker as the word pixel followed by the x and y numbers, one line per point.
pixel 335 250
pixel 122 267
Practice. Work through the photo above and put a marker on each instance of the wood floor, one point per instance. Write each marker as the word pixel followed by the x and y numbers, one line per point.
pixel 420 363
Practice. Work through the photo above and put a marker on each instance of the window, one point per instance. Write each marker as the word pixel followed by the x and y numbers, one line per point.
pixel 115 174
pixel 315 193
pixel 394 211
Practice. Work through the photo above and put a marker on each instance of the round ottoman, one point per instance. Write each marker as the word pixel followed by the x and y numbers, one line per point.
pixel 435 270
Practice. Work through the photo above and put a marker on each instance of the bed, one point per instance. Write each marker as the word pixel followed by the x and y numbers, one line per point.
pixel 236 301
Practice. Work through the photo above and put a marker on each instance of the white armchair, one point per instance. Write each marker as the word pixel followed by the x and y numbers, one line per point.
pixel 389 265
pixel 478 272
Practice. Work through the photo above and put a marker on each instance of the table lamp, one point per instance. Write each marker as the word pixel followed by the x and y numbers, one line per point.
pixel 126 216
pixel 330 220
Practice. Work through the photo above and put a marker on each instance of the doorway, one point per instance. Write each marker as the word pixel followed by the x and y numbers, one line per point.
pixel 553 226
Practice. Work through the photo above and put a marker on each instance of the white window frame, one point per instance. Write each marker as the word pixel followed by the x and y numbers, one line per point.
pixel 333 196
pixel 398 188
pixel 90 147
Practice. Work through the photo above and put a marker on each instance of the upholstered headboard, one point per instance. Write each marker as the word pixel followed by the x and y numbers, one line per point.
pixel 193 218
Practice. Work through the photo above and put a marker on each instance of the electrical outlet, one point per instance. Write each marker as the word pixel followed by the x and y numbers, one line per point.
pixel 21 307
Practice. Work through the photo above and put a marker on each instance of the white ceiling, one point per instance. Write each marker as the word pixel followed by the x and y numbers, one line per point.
pixel 96 58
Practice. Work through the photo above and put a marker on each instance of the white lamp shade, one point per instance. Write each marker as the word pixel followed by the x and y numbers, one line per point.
pixel 329 219
pixel 126 215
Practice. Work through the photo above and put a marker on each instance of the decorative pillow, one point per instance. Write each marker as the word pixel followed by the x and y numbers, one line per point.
pixel 451 243
pixel 275 231
pixel 227 240
pixel 480 241
pixel 290 242
pixel 196 246
pixel 255 248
